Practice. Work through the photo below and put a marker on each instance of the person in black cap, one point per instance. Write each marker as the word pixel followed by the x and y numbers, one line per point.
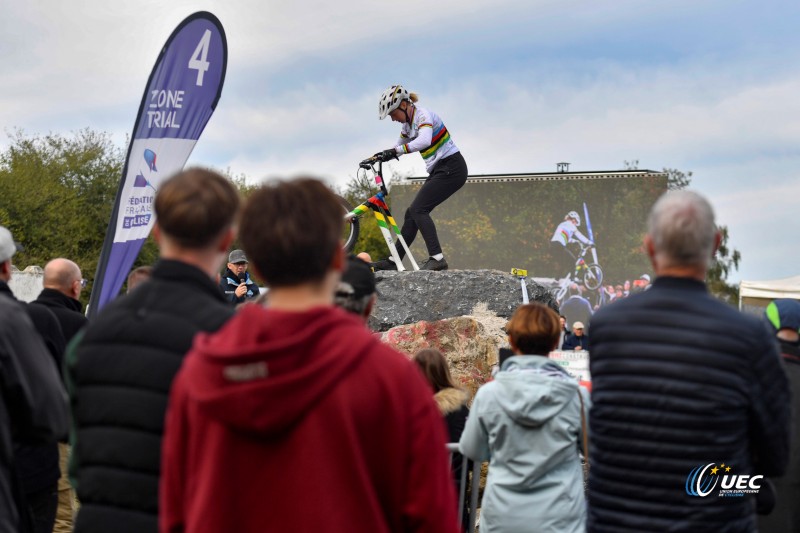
pixel 356 291
pixel 784 317
pixel 236 282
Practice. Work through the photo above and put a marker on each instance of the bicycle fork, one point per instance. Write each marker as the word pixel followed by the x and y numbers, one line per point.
pixel 385 221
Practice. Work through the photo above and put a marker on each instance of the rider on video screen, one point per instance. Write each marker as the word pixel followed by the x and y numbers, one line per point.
pixel 566 232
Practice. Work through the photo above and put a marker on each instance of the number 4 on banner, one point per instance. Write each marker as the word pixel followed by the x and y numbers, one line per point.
pixel 198 61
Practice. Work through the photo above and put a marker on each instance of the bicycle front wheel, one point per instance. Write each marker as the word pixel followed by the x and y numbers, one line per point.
pixel 351 227
pixel 593 276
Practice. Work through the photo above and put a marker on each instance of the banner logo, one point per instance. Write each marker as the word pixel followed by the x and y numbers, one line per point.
pixel 703 479
pixel 150 159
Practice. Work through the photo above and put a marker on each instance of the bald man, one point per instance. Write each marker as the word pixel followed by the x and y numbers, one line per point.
pixel 62 288
pixel 63 283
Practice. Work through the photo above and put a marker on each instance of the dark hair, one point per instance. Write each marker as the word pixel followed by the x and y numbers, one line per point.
pixel 434 367
pixel 196 206
pixel 534 329
pixel 291 231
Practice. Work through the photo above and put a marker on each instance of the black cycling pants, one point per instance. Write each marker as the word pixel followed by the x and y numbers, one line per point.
pixel 448 176
pixel 564 260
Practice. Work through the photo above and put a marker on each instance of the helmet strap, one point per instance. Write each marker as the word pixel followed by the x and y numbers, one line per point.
pixel 405 112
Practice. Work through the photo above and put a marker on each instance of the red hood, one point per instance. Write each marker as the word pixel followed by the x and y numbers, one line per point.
pixel 265 369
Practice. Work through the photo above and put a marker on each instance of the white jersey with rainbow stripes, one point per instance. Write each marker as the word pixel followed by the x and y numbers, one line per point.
pixel 427 135
pixel 568 232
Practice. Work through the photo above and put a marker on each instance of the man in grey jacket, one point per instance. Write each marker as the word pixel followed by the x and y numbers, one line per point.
pixel 689 395
pixel 528 423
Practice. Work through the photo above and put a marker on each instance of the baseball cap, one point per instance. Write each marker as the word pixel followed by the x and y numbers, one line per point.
pixel 645 277
pixel 577 325
pixel 237 256
pixel 8 247
pixel 784 314
pixel 358 280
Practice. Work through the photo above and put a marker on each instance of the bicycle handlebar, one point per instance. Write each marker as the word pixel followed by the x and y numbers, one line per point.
pixel 377 158
pixel 369 162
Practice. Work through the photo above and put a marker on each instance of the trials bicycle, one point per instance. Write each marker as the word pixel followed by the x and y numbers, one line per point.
pixel 590 275
pixel 383 217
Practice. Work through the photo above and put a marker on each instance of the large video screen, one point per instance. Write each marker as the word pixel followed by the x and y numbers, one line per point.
pixel 507 222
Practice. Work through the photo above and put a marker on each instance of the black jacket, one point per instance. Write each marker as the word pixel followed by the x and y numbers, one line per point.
pixel 572 341
pixel 36 464
pixel 32 402
pixel 67 311
pixel 786 514
pixel 119 373
pixel 229 282
pixel 680 380
pixel 452 403
pixel 46 324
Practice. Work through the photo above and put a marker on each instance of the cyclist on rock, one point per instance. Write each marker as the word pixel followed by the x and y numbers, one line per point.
pixel 423 131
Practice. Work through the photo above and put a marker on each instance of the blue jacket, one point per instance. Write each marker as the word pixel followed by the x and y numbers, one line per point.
pixel 680 380
pixel 527 422
pixel 572 341
pixel 229 282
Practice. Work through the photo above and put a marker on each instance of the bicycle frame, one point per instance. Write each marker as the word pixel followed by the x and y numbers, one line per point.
pixel 383 216
pixel 579 273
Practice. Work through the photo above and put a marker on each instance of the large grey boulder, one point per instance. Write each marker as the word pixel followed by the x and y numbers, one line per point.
pixel 414 296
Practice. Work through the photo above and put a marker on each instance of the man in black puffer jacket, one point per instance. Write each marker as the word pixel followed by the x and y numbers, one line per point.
pixel 120 368
pixel 681 380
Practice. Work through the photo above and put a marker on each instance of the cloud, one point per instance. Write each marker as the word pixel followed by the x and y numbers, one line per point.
pixel 521 84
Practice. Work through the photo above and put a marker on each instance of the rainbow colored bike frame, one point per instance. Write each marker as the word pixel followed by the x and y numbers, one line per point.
pixel 383 216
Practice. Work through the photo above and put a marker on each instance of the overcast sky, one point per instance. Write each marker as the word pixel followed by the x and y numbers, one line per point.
pixel 704 86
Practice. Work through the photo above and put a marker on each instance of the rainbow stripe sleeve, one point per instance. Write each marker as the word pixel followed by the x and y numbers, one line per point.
pixel 440 137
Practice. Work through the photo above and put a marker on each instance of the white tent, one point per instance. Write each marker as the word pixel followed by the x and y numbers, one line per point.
pixel 755 295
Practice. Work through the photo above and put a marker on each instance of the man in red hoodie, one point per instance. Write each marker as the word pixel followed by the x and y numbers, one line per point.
pixel 293 417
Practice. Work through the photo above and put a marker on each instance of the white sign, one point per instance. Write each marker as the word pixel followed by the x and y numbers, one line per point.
pixel 576 363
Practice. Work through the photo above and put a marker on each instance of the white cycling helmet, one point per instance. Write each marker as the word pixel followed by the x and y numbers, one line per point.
pixel 576 216
pixel 390 100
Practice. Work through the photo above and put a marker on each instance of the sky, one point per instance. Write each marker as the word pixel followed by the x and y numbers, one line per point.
pixel 707 87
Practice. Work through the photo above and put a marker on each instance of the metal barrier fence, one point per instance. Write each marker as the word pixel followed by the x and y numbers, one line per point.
pixel 465 481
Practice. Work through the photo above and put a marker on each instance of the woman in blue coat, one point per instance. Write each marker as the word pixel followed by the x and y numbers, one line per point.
pixel 527 424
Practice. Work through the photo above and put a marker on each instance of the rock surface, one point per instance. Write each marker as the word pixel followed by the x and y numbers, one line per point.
pixel 468 342
pixel 462 313
pixel 414 296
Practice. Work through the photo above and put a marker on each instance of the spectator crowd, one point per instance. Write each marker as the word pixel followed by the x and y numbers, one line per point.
pixel 198 402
